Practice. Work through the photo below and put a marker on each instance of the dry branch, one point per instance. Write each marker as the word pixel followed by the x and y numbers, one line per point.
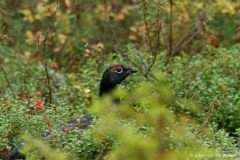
pixel 45 51
pixel 170 53
pixel 188 37
pixel 105 31
pixel 8 82
pixel 208 116
pixel 146 72
pixel 153 45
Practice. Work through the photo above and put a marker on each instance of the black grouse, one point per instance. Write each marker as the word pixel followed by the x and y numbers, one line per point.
pixel 113 76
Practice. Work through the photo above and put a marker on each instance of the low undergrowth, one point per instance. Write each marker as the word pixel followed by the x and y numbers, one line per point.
pixel 191 111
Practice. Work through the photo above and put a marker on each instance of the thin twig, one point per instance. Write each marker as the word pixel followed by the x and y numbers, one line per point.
pixel 188 37
pixel 208 116
pixel 113 32
pixel 203 22
pixel 105 30
pixel 117 49
pixel 8 82
pixel 159 29
pixel 153 50
pixel 45 51
pixel 141 61
pixel 146 25
pixel 146 72
pixel 47 121
pixel 170 33
pixel 101 154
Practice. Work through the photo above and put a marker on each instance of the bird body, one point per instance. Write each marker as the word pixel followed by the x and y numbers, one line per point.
pixel 113 76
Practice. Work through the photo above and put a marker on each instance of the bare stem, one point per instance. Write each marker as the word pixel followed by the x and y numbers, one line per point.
pixel 208 116
pixel 8 82
pixel 48 122
pixel 105 30
pixel 170 33
pixel 203 24
pixel 159 29
pixel 101 154
pixel 188 36
pixel 146 72
pixel 146 26
pixel 45 51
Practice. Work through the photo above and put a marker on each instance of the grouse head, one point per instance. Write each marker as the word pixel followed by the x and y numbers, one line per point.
pixel 113 76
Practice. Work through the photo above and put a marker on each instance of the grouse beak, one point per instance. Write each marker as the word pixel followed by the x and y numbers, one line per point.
pixel 133 70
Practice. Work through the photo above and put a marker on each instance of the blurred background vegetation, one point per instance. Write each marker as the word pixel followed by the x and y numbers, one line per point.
pixel 185 97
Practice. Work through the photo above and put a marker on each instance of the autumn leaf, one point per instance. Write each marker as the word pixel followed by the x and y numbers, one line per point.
pixel 29 37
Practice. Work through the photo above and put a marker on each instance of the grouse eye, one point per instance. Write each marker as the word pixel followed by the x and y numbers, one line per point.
pixel 119 70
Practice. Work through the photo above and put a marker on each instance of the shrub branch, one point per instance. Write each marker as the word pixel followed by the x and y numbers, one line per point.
pixel 105 30
pixel 170 33
pixel 146 72
pixel 45 52
pixel 188 37
pixel 7 80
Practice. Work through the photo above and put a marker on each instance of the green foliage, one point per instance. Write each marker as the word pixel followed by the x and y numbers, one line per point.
pixel 152 121
pixel 191 110
pixel 82 22
pixel 212 81
pixel 43 150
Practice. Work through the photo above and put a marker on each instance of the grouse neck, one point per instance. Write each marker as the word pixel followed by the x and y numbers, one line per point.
pixel 105 88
